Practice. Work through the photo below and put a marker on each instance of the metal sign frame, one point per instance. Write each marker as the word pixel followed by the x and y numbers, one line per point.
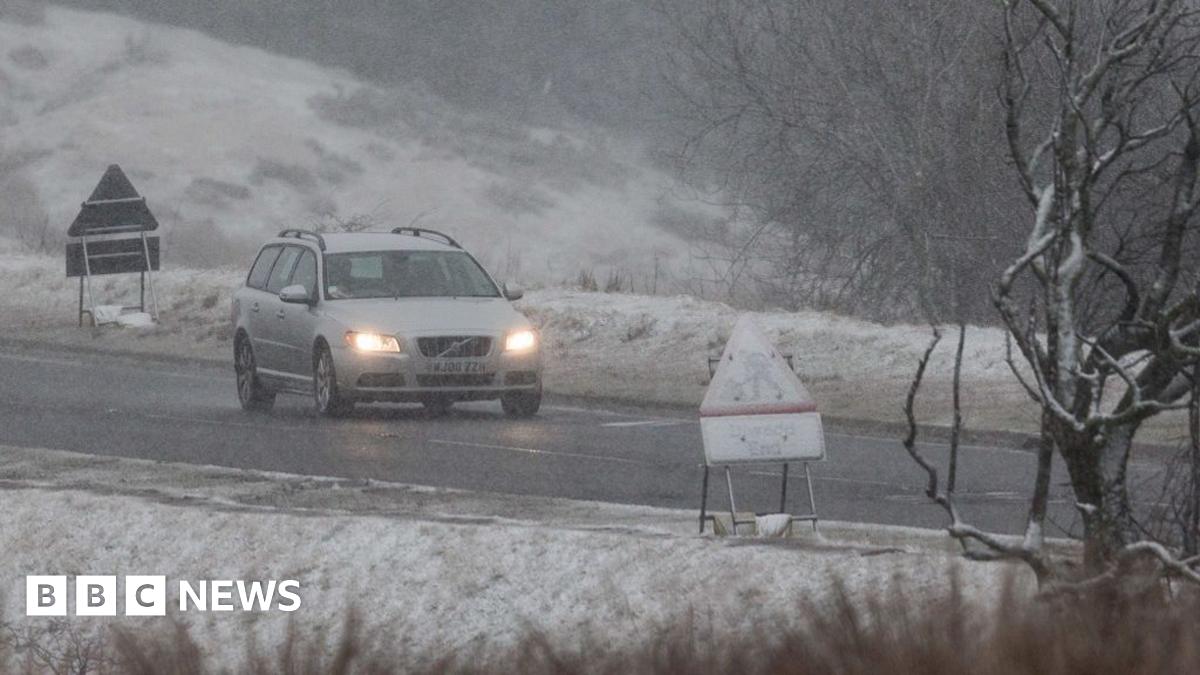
pixel 149 258
pixel 114 208
pixel 811 516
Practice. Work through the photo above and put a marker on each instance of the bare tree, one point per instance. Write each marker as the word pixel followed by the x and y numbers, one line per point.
pixel 1109 171
pixel 860 144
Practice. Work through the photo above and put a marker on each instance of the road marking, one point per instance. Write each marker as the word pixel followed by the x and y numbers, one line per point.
pixel 937 445
pixel 587 411
pixel 534 451
pixel 77 364
pixel 613 413
pixel 830 479
pixel 223 423
pixel 34 359
pixel 645 423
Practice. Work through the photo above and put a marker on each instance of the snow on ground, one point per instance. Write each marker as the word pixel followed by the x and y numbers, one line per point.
pixel 422 568
pixel 615 345
pixel 231 142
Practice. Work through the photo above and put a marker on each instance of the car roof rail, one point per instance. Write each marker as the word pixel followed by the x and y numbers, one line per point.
pixel 422 232
pixel 304 234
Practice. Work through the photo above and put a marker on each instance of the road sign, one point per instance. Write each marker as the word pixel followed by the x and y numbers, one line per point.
pixel 114 208
pixel 112 256
pixel 756 409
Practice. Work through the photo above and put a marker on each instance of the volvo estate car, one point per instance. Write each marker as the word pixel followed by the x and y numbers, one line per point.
pixel 401 316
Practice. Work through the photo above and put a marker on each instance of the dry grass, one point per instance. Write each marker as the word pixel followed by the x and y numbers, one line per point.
pixel 1112 632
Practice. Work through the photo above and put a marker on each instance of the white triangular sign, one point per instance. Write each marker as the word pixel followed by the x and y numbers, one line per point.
pixel 756 409
pixel 753 378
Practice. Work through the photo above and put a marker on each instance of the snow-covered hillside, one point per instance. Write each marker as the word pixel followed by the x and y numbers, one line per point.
pixel 229 143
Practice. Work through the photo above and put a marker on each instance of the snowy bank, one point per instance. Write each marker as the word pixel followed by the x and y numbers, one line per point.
pixel 418 566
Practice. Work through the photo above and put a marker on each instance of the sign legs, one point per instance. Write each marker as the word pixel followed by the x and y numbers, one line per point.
pixel 812 499
pixel 732 508
pixel 87 275
pixel 783 490
pixel 149 273
pixel 811 516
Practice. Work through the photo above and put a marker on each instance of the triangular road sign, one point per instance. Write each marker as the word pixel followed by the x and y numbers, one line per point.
pixel 114 207
pixel 114 184
pixel 753 378
pixel 756 409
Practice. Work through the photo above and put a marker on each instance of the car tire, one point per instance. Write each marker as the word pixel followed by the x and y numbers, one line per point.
pixel 253 396
pixel 437 406
pixel 327 397
pixel 521 404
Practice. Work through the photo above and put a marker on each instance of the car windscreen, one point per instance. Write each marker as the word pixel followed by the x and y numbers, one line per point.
pixel 405 274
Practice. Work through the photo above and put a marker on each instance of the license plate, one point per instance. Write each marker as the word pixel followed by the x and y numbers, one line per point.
pixel 457 367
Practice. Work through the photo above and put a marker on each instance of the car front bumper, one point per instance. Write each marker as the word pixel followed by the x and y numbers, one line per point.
pixel 371 376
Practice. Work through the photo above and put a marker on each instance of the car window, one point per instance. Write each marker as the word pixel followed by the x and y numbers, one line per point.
pixel 262 267
pixel 306 273
pixel 405 274
pixel 282 271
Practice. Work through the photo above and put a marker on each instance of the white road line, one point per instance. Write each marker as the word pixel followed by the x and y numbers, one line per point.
pixel 645 423
pixel 614 413
pixel 577 409
pixel 34 359
pixel 939 445
pixel 222 423
pixel 829 479
pixel 533 451
pixel 77 364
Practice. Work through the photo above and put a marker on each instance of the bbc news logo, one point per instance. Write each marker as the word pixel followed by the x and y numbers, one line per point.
pixel 147 596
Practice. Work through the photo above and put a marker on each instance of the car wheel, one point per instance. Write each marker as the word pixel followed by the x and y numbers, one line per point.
pixel 521 404
pixel 328 398
pixel 436 406
pixel 252 394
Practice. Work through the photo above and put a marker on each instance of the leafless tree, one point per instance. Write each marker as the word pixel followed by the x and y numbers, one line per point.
pixel 860 144
pixel 1109 172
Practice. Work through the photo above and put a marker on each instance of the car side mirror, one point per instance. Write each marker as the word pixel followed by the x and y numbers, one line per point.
pixel 513 291
pixel 295 294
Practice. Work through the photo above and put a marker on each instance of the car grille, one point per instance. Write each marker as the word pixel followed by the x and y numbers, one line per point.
pixel 381 380
pixel 455 346
pixel 455 380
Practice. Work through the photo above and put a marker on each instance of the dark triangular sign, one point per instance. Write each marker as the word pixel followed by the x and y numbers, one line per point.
pixel 114 207
pixel 114 184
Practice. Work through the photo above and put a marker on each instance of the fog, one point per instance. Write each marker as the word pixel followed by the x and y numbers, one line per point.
pixel 531 61
pixel 797 155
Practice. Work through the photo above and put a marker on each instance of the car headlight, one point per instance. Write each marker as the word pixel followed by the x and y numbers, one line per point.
pixel 372 342
pixel 520 341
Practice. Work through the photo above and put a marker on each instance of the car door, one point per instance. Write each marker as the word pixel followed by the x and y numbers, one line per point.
pixel 255 294
pixel 274 351
pixel 298 322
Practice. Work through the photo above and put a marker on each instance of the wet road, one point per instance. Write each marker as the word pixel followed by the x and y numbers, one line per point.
pixel 160 410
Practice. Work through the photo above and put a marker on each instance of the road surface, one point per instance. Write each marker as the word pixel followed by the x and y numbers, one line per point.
pixel 143 408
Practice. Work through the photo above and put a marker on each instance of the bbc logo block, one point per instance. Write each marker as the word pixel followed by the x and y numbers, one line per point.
pixel 95 595
pixel 46 596
pixel 101 595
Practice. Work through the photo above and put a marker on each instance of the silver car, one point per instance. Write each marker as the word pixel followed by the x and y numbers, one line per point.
pixel 402 316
